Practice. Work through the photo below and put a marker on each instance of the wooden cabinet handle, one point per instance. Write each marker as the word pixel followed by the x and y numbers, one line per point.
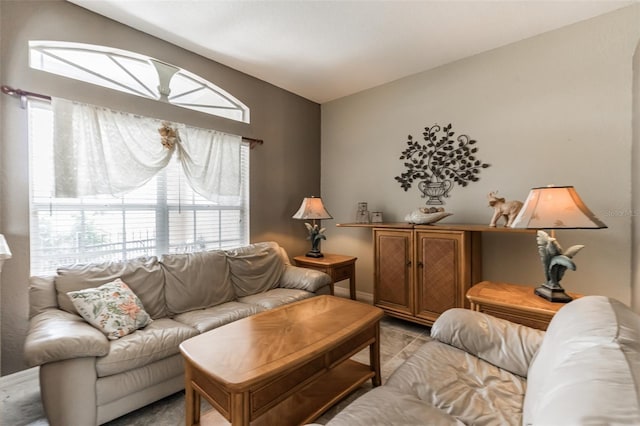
pixel 420 264
pixel 408 263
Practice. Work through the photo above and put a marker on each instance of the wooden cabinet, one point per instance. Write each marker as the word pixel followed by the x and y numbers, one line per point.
pixel 443 272
pixel 420 273
pixel 393 276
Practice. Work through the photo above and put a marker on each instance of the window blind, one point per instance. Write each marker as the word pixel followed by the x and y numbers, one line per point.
pixel 163 216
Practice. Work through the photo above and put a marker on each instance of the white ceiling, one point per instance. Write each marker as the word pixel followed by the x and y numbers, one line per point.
pixel 324 50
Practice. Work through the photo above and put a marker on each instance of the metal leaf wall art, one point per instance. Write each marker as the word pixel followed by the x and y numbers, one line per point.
pixel 439 162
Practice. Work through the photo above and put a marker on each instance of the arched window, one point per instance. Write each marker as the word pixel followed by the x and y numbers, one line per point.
pixel 136 74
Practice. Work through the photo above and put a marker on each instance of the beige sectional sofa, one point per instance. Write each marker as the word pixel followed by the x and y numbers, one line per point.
pixel 480 370
pixel 87 379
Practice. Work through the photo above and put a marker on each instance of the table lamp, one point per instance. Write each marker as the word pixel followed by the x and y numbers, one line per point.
pixel 312 208
pixel 555 207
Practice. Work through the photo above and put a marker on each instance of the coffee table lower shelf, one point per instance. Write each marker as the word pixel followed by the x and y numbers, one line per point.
pixel 311 401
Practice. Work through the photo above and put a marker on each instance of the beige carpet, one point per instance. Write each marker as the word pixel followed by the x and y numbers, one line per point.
pixel 21 395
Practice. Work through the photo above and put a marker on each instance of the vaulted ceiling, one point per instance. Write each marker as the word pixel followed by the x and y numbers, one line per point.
pixel 324 50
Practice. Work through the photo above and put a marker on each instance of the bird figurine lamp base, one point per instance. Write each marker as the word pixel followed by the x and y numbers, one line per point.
pixel 314 253
pixel 555 295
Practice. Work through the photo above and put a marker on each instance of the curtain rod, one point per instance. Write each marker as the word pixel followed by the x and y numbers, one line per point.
pixel 23 95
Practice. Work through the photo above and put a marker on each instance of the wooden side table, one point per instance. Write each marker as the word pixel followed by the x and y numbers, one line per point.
pixel 337 266
pixel 516 303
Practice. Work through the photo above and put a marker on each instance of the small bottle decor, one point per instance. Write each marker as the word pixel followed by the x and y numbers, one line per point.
pixel 363 213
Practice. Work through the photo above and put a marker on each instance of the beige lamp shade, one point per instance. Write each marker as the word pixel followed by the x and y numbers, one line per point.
pixel 556 207
pixel 5 253
pixel 312 208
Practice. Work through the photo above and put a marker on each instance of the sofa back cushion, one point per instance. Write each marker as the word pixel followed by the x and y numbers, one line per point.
pixel 255 268
pixel 500 342
pixel 196 280
pixel 143 275
pixel 587 370
pixel 42 294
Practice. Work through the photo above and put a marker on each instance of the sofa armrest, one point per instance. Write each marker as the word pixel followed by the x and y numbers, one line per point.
pixel 56 335
pixel 502 343
pixel 303 279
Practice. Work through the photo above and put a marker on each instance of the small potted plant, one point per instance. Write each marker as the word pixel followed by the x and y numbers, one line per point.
pixel 439 162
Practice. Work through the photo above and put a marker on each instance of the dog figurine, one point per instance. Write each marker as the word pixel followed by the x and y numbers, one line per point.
pixel 501 208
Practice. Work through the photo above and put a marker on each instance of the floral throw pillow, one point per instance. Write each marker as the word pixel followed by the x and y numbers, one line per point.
pixel 112 308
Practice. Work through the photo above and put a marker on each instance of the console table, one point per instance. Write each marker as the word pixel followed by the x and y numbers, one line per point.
pixel 516 303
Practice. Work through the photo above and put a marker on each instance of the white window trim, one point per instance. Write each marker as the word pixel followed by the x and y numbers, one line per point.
pixel 40 50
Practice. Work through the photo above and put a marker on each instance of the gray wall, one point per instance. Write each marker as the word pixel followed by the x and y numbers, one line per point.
pixel 635 183
pixel 281 170
pixel 552 109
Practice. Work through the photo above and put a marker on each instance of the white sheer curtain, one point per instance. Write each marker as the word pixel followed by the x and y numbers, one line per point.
pixel 101 151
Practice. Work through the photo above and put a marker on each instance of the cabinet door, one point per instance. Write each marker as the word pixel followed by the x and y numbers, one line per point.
pixel 393 276
pixel 440 273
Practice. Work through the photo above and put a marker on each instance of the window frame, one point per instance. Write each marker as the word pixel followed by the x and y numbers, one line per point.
pixel 41 51
pixel 163 207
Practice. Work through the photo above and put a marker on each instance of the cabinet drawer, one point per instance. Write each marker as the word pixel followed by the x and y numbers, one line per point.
pixel 342 273
pixel 219 397
pixel 352 346
pixel 270 394
pixel 539 321
pixel 316 268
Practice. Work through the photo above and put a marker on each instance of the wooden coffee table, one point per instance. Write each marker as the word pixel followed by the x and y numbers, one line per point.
pixel 282 367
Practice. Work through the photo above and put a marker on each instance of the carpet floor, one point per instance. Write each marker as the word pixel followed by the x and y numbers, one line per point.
pixel 21 404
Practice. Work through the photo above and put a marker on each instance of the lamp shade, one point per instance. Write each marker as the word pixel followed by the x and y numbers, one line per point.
pixel 312 208
pixel 555 207
pixel 5 253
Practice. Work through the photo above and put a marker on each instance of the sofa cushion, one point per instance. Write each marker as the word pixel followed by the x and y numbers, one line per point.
pixel 255 268
pixel 207 319
pixel 387 406
pixel 502 343
pixel 196 280
pixel 283 254
pixel 587 369
pixel 158 340
pixel 303 279
pixel 465 387
pixel 124 386
pixel 112 308
pixel 42 294
pixel 143 275
pixel 276 297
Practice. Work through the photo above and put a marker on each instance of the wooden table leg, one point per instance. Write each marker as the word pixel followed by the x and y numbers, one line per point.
pixel 192 399
pixel 240 409
pixel 352 282
pixel 374 358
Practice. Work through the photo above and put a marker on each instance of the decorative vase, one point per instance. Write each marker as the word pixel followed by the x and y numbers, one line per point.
pixel 435 191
